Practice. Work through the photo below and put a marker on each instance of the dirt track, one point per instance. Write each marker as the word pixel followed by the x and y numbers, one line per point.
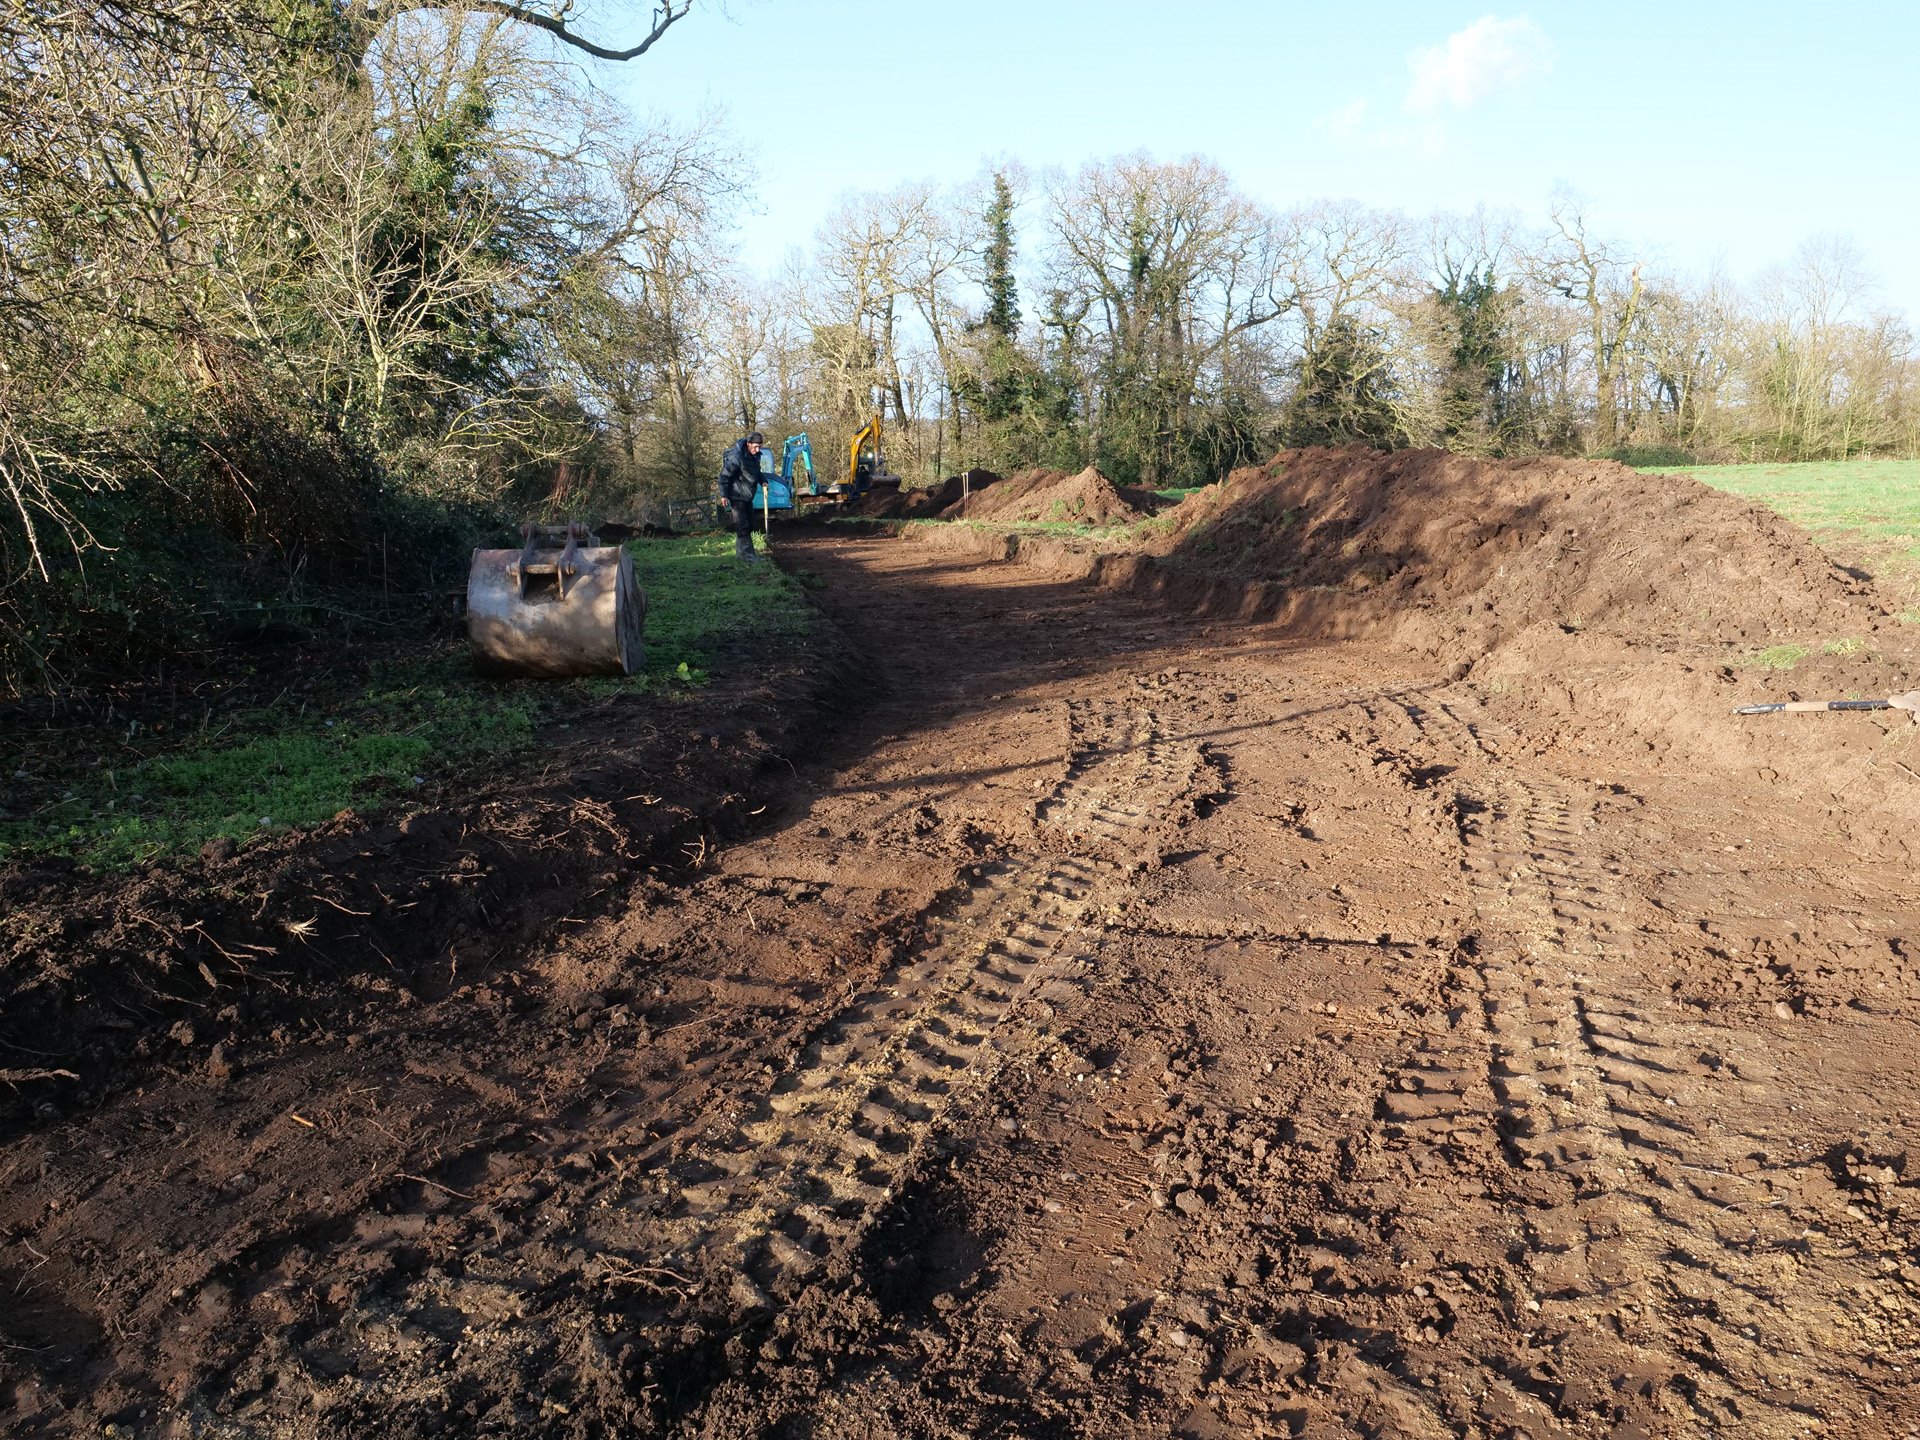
pixel 1150 1027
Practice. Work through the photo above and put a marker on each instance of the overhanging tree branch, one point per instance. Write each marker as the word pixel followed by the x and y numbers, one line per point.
pixel 665 14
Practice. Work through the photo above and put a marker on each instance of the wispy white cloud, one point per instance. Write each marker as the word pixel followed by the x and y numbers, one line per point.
pixel 1487 57
pixel 1347 121
pixel 1360 125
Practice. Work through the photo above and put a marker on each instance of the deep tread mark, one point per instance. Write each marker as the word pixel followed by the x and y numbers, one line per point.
pixel 799 1177
pixel 1574 1074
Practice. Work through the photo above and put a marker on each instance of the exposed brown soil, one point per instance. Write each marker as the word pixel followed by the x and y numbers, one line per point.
pixel 1589 588
pixel 309 931
pixel 1467 552
pixel 1052 495
pixel 1137 1020
pixel 920 503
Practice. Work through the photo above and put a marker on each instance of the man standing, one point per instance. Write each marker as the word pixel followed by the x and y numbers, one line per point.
pixel 739 479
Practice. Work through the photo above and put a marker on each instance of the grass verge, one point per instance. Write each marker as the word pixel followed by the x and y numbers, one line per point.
pixel 112 798
pixel 701 600
pixel 1138 529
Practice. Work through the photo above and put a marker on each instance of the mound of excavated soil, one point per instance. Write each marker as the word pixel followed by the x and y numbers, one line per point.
pixel 1485 548
pixel 917 504
pixel 1598 598
pixel 880 504
pixel 1088 498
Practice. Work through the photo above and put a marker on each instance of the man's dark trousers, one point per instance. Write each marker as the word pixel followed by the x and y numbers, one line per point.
pixel 742 512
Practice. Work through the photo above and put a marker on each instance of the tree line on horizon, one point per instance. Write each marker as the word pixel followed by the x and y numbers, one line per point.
pixel 295 292
pixel 1167 327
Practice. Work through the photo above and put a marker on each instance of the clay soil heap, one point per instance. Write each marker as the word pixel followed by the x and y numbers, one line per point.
pixel 1328 964
pixel 917 504
pixel 1450 548
pixel 1087 498
pixel 1603 596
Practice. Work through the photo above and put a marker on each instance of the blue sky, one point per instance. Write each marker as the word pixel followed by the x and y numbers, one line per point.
pixel 1706 133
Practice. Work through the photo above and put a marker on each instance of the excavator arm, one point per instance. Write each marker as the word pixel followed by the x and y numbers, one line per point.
pixel 799 449
pixel 860 475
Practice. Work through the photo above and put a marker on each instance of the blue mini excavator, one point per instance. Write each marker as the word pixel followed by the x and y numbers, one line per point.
pixel 780 489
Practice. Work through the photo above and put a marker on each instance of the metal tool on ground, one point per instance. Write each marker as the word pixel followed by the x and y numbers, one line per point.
pixel 1910 702
pixel 562 604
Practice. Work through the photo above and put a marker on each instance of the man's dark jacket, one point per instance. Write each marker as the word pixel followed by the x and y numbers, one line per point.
pixel 739 474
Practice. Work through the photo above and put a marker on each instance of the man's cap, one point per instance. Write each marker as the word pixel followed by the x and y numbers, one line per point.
pixel 756 438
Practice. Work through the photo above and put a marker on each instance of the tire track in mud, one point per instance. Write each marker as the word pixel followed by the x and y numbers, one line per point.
pixel 1646 1258
pixel 798 1177
pixel 1115 816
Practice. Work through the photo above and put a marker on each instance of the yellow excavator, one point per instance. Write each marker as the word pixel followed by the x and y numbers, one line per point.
pixel 866 470
pixel 866 466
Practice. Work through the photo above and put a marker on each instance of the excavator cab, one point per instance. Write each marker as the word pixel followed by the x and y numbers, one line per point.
pixel 780 486
pixel 776 492
pixel 797 453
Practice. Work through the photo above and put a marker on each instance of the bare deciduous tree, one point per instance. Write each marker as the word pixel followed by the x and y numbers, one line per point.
pixel 1350 268
pixel 1176 267
pixel 553 20
pixel 1608 289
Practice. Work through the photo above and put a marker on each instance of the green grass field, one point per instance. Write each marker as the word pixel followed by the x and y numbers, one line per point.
pixel 700 600
pixel 1865 513
pixel 112 800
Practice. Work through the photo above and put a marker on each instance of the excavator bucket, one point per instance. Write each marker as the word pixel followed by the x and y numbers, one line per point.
pixel 560 605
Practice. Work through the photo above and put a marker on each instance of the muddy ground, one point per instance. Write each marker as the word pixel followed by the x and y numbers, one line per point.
pixel 1117 1022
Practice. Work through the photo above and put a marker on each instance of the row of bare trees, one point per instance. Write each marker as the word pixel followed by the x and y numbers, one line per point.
pixel 1159 321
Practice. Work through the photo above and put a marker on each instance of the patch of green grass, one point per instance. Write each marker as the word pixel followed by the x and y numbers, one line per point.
pixel 701 599
pixel 1865 513
pixel 267 770
pixel 1078 528
pixel 1779 657
pixel 1081 528
pixel 276 767
pixel 1138 528
pixel 1851 645
pixel 1178 493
